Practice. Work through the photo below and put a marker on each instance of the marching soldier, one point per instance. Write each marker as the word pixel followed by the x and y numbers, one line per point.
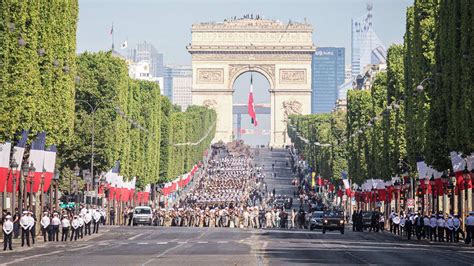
pixel 45 226
pixel 24 224
pixel 7 233
pixel 65 228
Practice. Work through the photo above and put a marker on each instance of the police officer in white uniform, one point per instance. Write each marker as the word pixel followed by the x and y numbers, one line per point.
pixel 81 226
pixel 55 222
pixel 7 233
pixel 470 228
pixel 31 227
pixel 65 224
pixel 96 221
pixel 74 228
pixel 456 228
pixel 433 224
pixel 441 223
pixel 87 222
pixel 45 226
pixel 24 224
pixel 449 229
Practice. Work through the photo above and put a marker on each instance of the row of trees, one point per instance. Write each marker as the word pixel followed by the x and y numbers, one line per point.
pixel 37 67
pixel 320 139
pixel 421 108
pixel 89 98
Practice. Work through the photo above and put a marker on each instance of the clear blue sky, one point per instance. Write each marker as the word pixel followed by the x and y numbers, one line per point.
pixel 167 23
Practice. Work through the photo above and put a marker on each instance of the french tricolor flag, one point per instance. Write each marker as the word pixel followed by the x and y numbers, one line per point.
pixel 251 107
pixel 49 165
pixel 18 152
pixel 5 149
pixel 37 158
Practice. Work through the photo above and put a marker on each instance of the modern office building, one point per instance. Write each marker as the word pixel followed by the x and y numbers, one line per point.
pixel 327 75
pixel 178 81
pixel 147 52
pixel 366 47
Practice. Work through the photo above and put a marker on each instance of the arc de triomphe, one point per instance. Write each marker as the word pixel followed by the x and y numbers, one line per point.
pixel 222 51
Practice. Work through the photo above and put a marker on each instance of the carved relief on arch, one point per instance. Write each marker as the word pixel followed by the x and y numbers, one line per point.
pixel 265 69
pixel 210 103
pixel 291 107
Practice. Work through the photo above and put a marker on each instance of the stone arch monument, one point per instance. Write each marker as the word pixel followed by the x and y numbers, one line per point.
pixel 281 52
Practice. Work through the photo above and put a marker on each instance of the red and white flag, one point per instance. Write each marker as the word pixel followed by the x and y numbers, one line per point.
pixel 251 107
pixel 5 149
pixel 347 186
pixel 37 158
pixel 49 165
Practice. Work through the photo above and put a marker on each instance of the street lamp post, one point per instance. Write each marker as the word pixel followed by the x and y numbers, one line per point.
pixel 397 188
pixel 14 167
pixel 77 172
pixel 465 204
pixel 444 179
pixel 56 189
pixel 93 112
pixel 433 190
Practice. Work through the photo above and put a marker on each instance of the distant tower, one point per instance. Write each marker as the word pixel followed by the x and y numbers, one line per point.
pixel 366 47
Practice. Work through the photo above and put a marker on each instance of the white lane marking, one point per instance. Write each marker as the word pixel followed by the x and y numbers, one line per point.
pixel 44 254
pixel 142 243
pixel 182 242
pixel 222 242
pixel 135 237
pixel 162 254
pixel 202 242
pixel 162 243
pixel 103 244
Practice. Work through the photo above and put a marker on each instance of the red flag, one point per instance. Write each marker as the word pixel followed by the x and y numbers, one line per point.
pixel 251 107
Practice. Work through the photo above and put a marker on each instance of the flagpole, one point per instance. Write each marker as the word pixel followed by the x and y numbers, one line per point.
pixel 112 31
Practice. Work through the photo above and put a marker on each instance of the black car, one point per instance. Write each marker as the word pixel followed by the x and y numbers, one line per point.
pixel 316 220
pixel 333 220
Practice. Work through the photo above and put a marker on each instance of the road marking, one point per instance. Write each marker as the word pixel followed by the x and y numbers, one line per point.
pixel 162 243
pixel 103 244
pixel 135 237
pixel 45 254
pixel 202 242
pixel 182 242
pixel 162 254
pixel 222 242
pixel 142 243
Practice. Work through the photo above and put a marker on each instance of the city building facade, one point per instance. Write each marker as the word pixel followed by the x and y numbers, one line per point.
pixel 178 81
pixel 328 67
pixel 147 52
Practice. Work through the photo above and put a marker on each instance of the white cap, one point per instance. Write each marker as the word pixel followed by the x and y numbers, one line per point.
pixel 8 217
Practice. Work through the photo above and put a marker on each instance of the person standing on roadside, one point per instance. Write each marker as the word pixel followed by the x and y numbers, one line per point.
pixel 55 222
pixel 24 223
pixel 441 224
pixel 7 232
pixel 470 228
pixel 45 226
pixel 65 224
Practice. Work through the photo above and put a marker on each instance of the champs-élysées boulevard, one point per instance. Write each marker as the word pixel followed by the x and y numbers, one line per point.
pixel 237 132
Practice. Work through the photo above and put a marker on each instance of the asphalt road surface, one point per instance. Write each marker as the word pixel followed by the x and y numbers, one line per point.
pixel 231 246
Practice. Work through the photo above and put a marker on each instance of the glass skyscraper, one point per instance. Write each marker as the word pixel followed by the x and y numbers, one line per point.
pixel 366 47
pixel 328 66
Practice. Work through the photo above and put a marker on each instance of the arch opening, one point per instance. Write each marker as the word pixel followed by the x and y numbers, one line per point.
pixel 242 126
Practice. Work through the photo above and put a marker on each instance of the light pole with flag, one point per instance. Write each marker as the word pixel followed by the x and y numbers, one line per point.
pixel 251 107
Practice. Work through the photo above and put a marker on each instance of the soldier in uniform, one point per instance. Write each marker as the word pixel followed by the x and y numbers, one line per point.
pixel 7 233
pixel 87 222
pixel 96 217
